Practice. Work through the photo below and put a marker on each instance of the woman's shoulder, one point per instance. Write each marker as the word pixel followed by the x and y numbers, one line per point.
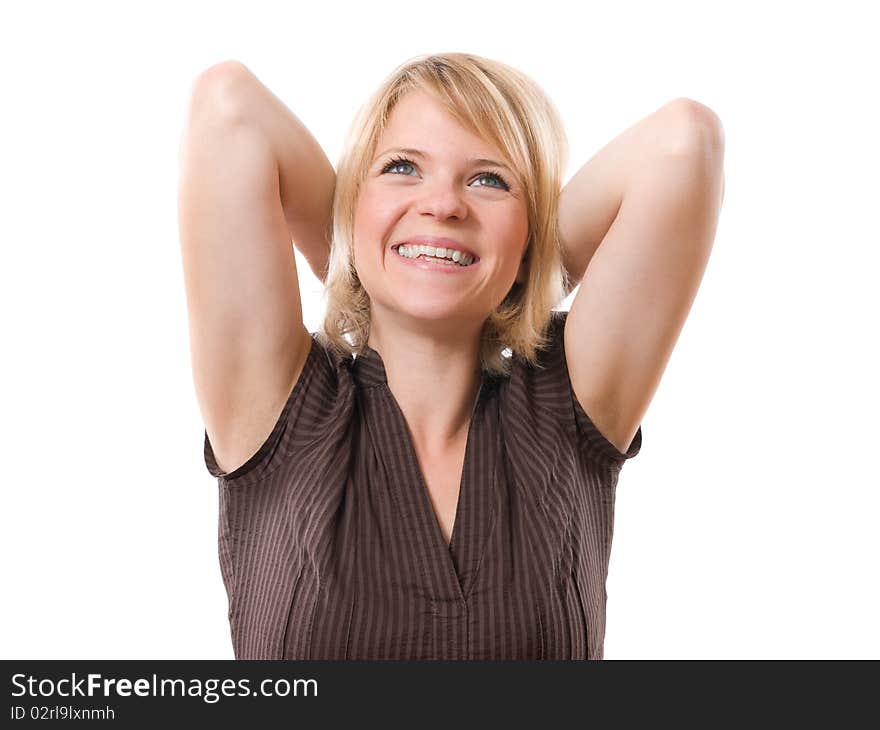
pixel 318 399
pixel 542 393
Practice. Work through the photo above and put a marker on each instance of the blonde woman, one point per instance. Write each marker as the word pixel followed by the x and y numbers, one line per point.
pixel 432 474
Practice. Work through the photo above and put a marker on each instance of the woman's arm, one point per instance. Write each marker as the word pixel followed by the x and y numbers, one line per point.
pixel 306 177
pixel 661 184
pixel 590 201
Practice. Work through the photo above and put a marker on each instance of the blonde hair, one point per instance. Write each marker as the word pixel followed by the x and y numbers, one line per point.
pixel 506 108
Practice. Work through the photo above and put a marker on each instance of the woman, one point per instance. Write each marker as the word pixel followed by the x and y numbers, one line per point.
pixel 421 479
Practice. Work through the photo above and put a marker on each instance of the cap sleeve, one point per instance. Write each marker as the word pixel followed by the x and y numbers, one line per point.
pixel 552 390
pixel 311 404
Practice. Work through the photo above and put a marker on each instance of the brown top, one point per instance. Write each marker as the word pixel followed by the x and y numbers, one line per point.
pixel 330 549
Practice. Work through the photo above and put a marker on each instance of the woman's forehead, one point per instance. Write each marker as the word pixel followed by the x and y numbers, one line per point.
pixel 419 118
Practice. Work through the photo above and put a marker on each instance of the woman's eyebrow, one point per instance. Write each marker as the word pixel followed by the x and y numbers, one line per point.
pixel 420 153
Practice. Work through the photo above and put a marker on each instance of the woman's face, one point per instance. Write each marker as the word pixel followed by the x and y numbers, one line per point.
pixel 441 192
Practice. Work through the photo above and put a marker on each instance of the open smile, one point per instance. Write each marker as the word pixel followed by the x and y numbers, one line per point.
pixel 433 264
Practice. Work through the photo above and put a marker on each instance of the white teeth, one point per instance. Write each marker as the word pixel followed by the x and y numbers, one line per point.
pixel 436 260
pixel 414 251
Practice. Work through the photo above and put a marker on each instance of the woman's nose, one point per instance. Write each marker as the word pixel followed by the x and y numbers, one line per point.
pixel 442 199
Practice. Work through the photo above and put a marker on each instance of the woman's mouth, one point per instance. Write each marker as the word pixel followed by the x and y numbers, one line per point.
pixel 420 259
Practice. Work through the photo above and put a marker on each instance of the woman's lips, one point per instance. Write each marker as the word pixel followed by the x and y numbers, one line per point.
pixel 426 265
pixel 437 242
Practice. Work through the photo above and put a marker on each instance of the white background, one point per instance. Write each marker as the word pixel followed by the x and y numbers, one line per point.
pixel 745 528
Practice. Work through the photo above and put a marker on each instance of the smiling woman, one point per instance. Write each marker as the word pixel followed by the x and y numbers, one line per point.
pixel 447 193
pixel 421 494
pixel 464 147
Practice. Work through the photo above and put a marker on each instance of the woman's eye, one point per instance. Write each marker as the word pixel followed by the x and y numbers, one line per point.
pixel 493 176
pixel 391 165
pixel 401 162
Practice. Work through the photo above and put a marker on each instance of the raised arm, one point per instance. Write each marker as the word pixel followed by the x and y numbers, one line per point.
pixel 638 222
pixel 305 176
pixel 252 180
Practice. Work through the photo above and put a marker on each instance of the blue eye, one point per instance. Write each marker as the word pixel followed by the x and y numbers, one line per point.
pixel 399 161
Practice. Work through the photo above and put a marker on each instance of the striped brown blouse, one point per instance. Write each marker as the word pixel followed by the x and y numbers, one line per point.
pixel 330 549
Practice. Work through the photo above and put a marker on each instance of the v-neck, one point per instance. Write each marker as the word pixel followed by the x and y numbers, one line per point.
pixel 459 560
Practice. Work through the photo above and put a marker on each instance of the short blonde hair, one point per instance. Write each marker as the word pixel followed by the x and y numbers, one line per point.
pixel 506 108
